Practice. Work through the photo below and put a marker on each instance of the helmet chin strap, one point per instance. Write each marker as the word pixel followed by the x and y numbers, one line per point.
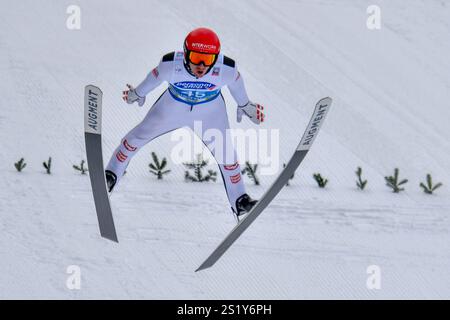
pixel 188 68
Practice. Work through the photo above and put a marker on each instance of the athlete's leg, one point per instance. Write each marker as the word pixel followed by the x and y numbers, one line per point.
pixel 216 136
pixel 161 118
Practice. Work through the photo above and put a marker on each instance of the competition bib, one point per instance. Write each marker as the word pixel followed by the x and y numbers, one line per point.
pixel 193 93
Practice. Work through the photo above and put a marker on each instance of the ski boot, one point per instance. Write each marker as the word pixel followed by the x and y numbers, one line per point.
pixel 243 206
pixel 111 180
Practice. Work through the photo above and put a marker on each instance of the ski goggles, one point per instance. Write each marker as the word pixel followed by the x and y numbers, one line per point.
pixel 197 58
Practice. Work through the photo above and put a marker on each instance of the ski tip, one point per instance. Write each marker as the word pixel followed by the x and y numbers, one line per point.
pixel 328 100
pixel 92 86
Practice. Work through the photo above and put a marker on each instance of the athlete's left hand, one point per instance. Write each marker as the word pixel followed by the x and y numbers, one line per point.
pixel 252 110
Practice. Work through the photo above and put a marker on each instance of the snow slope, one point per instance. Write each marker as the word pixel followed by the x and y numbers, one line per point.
pixel 390 89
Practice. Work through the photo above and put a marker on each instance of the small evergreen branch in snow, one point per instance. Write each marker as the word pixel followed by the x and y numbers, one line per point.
pixel 292 177
pixel 429 188
pixel 198 167
pixel 157 167
pixel 361 184
pixel 394 183
pixel 250 170
pixel 321 182
pixel 212 175
pixel 20 165
pixel 48 165
pixel 81 167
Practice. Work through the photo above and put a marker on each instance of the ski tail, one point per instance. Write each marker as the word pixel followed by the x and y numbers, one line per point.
pixel 93 139
pixel 302 149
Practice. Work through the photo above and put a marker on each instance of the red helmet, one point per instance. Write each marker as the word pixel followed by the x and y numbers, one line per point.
pixel 202 40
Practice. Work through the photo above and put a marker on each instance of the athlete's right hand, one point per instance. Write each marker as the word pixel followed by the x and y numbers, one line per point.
pixel 130 96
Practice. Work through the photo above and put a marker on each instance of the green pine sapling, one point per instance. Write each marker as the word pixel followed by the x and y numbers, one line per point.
pixel 198 166
pixel 250 170
pixel 394 183
pixel 320 180
pixel 429 188
pixel 157 167
pixel 48 165
pixel 81 168
pixel 361 184
pixel 20 165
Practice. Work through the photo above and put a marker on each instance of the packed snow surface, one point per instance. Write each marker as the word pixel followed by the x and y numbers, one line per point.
pixel 390 90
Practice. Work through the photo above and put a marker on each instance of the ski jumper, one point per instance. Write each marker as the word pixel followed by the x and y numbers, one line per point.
pixel 187 100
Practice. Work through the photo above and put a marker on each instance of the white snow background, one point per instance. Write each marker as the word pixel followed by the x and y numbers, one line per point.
pixel 391 109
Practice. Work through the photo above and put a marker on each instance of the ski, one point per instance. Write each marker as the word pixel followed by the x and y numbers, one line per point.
pixel 93 139
pixel 317 119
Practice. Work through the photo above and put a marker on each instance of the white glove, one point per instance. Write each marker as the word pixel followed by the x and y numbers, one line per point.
pixel 252 110
pixel 130 96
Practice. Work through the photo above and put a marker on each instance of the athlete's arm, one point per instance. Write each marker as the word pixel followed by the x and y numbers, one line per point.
pixel 236 86
pixel 234 81
pixel 156 76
